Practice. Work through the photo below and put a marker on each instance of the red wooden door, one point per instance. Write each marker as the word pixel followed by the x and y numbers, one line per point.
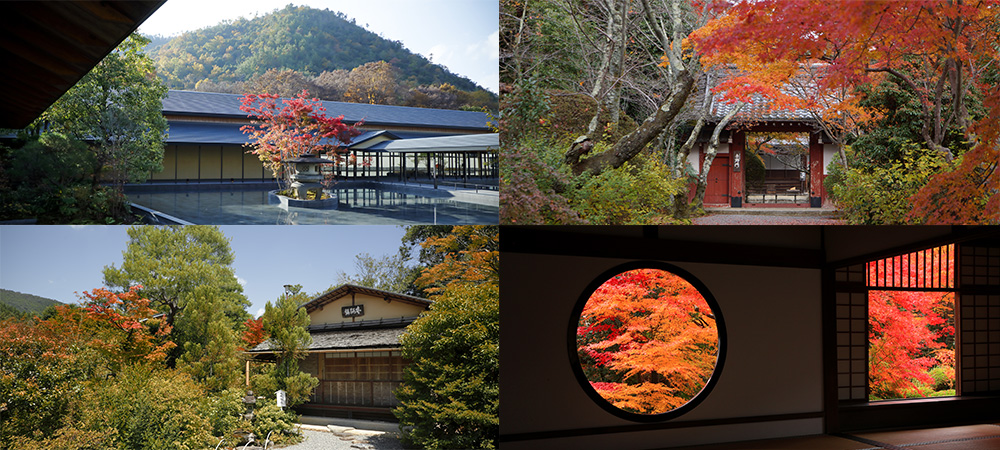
pixel 717 190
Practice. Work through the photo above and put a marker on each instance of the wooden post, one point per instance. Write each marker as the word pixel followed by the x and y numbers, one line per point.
pixel 816 194
pixel 248 373
pixel 736 181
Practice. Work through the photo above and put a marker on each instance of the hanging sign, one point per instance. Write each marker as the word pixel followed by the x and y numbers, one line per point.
pixel 353 310
pixel 736 161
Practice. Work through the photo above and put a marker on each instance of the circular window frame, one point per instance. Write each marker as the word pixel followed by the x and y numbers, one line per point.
pixel 574 323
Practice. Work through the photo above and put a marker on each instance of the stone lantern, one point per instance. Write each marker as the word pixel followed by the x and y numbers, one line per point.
pixel 307 174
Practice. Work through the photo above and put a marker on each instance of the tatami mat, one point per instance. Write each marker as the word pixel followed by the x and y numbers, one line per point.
pixel 822 442
pixel 971 437
pixel 913 437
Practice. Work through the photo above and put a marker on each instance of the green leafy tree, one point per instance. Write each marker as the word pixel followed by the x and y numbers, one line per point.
pixel 117 105
pixel 210 353
pixel 285 322
pixel 177 265
pixel 388 272
pixel 450 391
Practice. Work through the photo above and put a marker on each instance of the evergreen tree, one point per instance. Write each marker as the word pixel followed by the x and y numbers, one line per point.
pixel 177 266
pixel 450 391
pixel 285 322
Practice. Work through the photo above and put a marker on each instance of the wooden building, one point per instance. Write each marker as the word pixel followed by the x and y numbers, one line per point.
pixel 355 351
pixel 794 358
pixel 205 143
pixel 783 185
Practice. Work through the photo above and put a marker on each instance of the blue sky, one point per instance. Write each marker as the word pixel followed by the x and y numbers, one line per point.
pixel 462 35
pixel 58 261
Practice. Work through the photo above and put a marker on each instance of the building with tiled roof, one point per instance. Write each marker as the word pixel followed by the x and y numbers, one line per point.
pixel 791 177
pixel 355 351
pixel 205 143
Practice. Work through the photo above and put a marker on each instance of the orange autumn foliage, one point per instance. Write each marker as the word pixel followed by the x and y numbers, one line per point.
pixel 126 328
pixel 647 341
pixel 943 52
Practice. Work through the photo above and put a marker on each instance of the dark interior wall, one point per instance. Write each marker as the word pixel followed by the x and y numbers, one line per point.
pixel 771 384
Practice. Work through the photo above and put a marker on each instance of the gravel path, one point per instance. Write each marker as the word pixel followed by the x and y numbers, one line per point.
pixel 758 219
pixel 321 440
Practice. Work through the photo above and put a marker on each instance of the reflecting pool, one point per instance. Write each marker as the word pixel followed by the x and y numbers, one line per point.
pixel 368 204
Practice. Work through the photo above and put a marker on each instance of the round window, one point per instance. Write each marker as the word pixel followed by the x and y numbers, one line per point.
pixel 647 340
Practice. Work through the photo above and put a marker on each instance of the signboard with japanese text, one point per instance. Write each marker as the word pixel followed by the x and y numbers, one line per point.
pixel 353 310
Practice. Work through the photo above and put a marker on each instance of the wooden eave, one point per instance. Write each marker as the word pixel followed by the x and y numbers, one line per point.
pixel 346 289
pixel 47 47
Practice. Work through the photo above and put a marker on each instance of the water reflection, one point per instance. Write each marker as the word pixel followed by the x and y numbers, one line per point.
pixel 358 205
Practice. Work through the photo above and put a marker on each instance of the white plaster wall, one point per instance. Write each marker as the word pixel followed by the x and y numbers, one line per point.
pixel 375 308
pixel 773 364
pixel 829 153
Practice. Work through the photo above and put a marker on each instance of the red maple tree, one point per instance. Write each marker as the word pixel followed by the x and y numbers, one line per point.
pixel 254 334
pixel 910 332
pixel 125 327
pixel 298 127
pixel 942 51
pixel 647 341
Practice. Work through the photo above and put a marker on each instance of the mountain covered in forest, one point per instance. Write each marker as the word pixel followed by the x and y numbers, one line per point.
pixel 294 44
pixel 25 303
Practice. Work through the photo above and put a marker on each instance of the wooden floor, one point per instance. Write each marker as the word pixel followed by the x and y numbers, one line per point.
pixel 970 437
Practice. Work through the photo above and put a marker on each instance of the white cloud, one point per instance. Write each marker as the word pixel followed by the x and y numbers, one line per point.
pixel 440 54
pixel 260 312
pixel 241 281
pixel 493 43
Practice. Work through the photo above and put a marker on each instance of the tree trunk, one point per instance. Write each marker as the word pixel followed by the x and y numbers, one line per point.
pixel 631 144
pixel 713 149
pixel 680 209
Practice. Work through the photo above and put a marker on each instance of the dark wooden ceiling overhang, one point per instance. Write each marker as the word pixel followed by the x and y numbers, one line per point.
pixel 344 290
pixel 47 47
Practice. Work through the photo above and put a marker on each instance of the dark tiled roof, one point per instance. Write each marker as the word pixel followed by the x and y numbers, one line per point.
pixel 349 338
pixel 188 132
pixel 757 109
pixel 466 142
pixel 191 103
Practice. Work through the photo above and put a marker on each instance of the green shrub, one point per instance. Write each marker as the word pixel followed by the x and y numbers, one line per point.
pixel 880 195
pixel 149 408
pixel 269 418
pixel 639 192
pixel 944 377
pixel 223 411
pixel 69 438
pixel 570 114
pixel 51 179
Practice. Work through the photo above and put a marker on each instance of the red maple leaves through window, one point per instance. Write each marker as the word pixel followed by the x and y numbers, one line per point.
pixel 647 341
pixel 911 325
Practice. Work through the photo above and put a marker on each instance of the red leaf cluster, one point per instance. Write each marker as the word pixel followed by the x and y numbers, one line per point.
pixel 647 340
pixel 298 127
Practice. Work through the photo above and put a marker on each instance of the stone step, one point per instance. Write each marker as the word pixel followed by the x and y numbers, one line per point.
pixel 801 212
